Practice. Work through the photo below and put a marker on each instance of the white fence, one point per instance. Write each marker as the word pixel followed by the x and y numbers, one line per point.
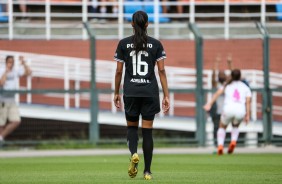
pixel 78 70
pixel 48 25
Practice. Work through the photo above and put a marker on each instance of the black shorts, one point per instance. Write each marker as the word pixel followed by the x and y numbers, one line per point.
pixel 146 106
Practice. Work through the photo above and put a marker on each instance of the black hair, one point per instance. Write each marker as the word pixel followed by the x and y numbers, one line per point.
pixel 140 19
pixel 9 57
pixel 235 76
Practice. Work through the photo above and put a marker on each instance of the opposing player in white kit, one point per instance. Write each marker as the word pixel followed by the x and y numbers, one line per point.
pixel 236 108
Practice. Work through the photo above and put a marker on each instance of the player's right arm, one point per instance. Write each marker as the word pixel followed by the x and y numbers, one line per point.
pixel 119 58
pixel 163 79
pixel 118 76
pixel 4 77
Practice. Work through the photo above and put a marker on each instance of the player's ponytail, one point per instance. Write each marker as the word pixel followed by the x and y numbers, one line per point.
pixel 139 23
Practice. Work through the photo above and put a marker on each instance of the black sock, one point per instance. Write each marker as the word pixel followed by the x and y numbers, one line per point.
pixel 132 139
pixel 148 146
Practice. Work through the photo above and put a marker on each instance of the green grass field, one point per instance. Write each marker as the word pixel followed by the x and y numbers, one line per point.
pixel 240 168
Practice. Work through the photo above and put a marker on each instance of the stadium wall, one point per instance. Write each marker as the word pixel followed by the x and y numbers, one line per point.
pixel 247 54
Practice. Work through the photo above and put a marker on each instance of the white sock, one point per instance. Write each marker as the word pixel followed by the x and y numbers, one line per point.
pixel 234 134
pixel 221 136
pixel 1 138
pixel 115 9
pixel 103 10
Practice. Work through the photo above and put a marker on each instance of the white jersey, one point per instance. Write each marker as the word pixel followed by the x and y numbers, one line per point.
pixel 10 83
pixel 234 108
pixel 236 93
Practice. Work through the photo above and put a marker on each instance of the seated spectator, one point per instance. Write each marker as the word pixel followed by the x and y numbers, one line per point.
pixel 180 8
pixel 115 7
pixel 165 7
pixel 95 8
pixel 22 7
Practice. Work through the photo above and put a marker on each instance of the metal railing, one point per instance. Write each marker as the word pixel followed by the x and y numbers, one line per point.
pixel 48 26
pixel 67 70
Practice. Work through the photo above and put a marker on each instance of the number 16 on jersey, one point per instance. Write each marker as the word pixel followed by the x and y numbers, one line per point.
pixel 136 61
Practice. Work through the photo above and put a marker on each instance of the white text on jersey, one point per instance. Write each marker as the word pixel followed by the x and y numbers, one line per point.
pixel 149 45
pixel 139 80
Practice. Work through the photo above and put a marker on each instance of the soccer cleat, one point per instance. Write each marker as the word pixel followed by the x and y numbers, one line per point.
pixel 220 150
pixel 148 175
pixel 132 169
pixel 231 147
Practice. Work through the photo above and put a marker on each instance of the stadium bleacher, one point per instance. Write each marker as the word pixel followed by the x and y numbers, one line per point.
pixel 130 9
pixel 3 17
pixel 279 10
pixel 62 19
pixel 215 22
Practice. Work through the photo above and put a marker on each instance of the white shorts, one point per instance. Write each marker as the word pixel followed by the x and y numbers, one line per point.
pixel 9 112
pixel 233 114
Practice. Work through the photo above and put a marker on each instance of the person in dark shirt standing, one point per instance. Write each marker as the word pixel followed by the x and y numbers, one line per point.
pixel 140 53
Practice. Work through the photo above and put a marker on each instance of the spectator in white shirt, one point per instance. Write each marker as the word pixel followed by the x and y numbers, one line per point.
pixel 9 111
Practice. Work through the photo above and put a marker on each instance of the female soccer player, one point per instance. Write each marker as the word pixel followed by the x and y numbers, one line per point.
pixel 140 53
pixel 236 107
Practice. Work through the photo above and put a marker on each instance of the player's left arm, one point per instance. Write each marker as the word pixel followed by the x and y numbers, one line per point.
pixel 248 109
pixel 118 76
pixel 163 79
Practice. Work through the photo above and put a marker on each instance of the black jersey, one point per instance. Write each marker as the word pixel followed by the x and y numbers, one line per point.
pixel 139 78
